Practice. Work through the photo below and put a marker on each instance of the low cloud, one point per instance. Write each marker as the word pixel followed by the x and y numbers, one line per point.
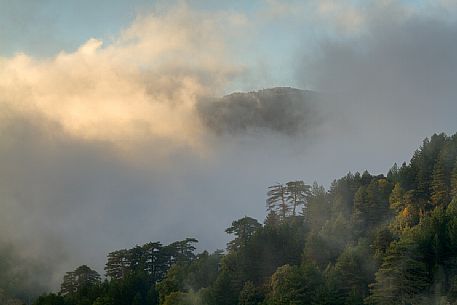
pixel 86 136
pixel 388 88
pixel 112 145
pixel 407 65
pixel 127 142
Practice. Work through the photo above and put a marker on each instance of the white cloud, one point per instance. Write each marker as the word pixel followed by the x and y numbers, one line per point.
pixel 141 87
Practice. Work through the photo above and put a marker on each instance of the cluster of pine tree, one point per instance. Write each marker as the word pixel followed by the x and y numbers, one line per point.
pixel 374 240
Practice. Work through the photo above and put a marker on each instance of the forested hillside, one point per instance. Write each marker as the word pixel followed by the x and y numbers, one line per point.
pixel 369 239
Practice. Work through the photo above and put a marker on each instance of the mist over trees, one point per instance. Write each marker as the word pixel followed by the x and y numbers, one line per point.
pixel 369 239
pixel 283 110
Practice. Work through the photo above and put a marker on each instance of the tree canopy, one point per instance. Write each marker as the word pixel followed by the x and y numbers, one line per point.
pixel 369 239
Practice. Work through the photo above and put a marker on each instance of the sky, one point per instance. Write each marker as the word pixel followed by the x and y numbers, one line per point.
pixel 104 109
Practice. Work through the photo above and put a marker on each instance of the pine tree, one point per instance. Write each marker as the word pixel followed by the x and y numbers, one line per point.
pixel 451 213
pixel 117 265
pixel 402 276
pixel 371 204
pixel 69 284
pixel 396 198
pixel 440 183
pixel 136 259
pixel 297 194
pixel 318 207
pixel 154 261
pixel 393 174
pixel 272 219
pixel 355 268
pixel 224 291
pixel 182 251
pixel 277 200
pixel 243 229
pixel 424 162
pixel 453 183
pixel 81 277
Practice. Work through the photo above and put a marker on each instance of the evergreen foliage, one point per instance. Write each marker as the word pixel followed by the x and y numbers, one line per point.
pixel 369 239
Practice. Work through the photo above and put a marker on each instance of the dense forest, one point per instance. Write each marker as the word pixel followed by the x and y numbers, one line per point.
pixel 369 239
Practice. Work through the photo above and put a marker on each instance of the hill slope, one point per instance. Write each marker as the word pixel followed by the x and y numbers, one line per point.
pixel 369 239
pixel 283 110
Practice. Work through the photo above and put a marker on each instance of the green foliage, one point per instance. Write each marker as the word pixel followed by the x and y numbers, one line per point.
pixel 183 298
pixel 396 200
pixel 318 207
pixel 50 299
pixel 173 282
pixel 371 205
pixel 451 212
pixel 105 300
pixel 355 268
pixel 441 177
pixel 276 201
pixel 203 271
pixel 325 246
pixel 190 277
pixel 402 277
pixel 368 240
pixel 249 295
pixel 381 242
pixel 297 195
pixel 152 259
pixel 294 285
pixel 243 229
pixel 285 200
pixel 82 278
pixel 225 290
pixel 342 193
pixel 453 181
